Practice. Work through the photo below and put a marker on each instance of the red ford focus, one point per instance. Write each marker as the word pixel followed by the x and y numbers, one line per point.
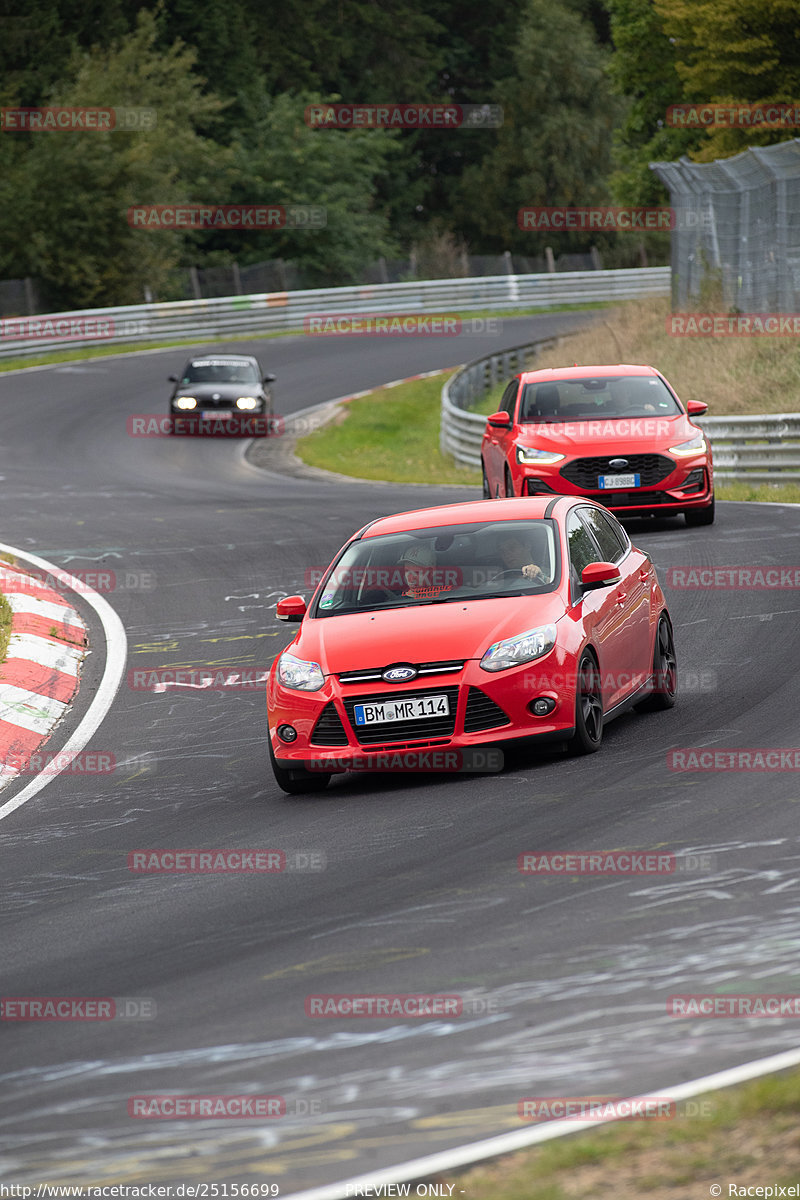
pixel 465 626
pixel 617 435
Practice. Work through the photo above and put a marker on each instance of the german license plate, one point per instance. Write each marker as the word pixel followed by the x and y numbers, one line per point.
pixel 405 708
pixel 220 415
pixel 615 482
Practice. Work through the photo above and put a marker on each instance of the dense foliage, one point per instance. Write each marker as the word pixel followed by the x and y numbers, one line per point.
pixel 584 86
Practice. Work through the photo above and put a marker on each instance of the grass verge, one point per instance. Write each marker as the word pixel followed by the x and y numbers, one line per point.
pixel 392 434
pixel 396 432
pixel 747 1135
pixel 5 626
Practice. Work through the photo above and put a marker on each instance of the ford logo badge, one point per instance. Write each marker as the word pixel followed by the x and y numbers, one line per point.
pixel 399 674
pixel 618 463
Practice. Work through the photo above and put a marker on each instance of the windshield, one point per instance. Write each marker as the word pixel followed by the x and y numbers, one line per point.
pixel 219 370
pixel 434 566
pixel 605 398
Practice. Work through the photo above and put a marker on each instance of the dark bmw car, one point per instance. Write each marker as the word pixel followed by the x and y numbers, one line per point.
pixel 221 388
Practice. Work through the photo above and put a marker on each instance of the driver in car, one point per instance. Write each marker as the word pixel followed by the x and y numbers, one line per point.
pixel 516 556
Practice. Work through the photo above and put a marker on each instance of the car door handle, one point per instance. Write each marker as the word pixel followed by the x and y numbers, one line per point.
pixel 645 574
pixel 621 597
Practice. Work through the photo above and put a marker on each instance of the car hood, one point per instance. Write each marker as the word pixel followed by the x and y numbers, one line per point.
pixel 430 633
pixel 226 391
pixel 642 434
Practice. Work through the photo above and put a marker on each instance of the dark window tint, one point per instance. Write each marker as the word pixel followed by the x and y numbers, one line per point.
pixel 610 536
pixel 582 549
pixel 509 396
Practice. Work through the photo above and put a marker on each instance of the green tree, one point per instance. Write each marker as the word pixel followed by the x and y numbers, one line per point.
pixel 643 70
pixel 68 223
pixel 734 51
pixel 555 144
pixel 282 160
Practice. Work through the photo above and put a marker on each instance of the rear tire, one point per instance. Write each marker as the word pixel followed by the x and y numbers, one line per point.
pixel 665 671
pixel 298 780
pixel 700 516
pixel 588 735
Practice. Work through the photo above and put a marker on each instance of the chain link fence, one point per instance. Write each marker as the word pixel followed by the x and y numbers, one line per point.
pixel 737 229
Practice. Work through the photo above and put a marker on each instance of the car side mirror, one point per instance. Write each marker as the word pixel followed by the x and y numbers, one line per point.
pixel 499 420
pixel 172 379
pixel 269 379
pixel 291 608
pixel 696 408
pixel 599 574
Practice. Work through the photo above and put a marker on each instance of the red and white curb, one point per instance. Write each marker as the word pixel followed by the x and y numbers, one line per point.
pixel 40 674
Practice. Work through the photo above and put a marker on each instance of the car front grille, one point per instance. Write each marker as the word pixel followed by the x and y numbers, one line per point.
pixel 483 713
pixel 329 730
pixel 651 468
pixel 403 731
pixel 375 674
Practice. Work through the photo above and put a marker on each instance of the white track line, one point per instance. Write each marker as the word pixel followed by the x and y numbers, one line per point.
pixel 116 655
pixel 508 1143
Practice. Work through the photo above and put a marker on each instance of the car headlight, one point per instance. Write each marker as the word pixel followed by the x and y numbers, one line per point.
pixel 531 456
pixel 520 649
pixel 186 402
pixel 695 445
pixel 296 673
pixel 247 402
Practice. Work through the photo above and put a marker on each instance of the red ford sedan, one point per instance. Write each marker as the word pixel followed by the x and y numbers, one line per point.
pixel 618 435
pixel 469 625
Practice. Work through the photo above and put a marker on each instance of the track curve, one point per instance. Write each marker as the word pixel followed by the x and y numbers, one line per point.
pixel 420 891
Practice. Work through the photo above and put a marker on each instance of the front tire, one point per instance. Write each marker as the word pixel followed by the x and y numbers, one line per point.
pixel 487 494
pixel 509 485
pixel 297 781
pixel 700 516
pixel 588 735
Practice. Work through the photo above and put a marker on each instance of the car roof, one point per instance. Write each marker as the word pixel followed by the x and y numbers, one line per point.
pixel 601 372
pixel 525 508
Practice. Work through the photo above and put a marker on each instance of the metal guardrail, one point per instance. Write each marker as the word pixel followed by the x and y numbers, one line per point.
pixel 757 449
pixel 270 312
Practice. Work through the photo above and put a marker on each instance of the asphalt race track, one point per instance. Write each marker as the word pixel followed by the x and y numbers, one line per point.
pixel 567 978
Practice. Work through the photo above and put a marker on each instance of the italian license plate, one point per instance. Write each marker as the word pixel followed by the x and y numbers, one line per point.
pixel 405 708
pixel 220 415
pixel 615 482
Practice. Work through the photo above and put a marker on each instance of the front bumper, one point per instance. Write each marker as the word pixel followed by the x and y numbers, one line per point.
pixel 485 710
pixel 690 486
